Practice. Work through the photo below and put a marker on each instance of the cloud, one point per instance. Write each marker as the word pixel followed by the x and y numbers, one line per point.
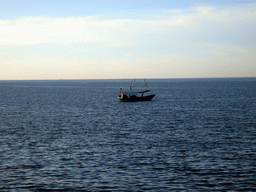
pixel 121 32
pixel 202 41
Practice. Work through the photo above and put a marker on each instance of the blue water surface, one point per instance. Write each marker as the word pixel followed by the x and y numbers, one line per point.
pixel 74 135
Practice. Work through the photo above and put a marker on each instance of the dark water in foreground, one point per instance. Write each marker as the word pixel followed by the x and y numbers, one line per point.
pixel 194 135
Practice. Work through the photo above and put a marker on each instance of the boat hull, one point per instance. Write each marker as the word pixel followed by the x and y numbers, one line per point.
pixel 134 98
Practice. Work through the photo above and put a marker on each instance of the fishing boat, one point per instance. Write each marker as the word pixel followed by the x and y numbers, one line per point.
pixel 135 95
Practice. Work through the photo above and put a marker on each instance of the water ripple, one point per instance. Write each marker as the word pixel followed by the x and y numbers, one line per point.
pixel 76 136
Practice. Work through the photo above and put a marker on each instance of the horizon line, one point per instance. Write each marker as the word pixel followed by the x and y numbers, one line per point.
pixel 157 78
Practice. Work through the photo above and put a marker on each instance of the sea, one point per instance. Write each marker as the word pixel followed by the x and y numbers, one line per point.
pixel 75 135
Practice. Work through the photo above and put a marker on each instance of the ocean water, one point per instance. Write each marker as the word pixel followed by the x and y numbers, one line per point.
pixel 195 135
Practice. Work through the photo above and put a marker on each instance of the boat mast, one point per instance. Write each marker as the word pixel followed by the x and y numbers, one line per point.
pixel 132 84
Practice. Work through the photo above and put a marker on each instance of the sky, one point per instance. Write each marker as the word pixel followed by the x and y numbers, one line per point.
pixel 120 39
